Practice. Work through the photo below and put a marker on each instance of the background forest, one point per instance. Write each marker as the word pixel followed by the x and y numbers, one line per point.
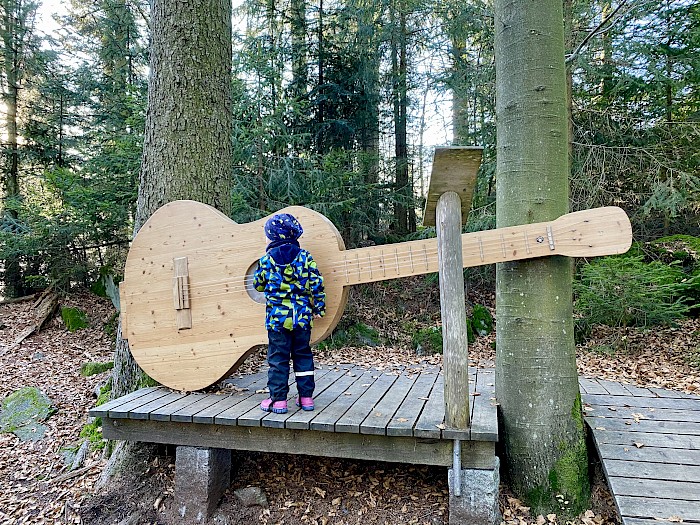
pixel 337 105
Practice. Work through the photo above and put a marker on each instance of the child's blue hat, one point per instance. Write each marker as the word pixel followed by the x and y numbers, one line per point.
pixel 283 227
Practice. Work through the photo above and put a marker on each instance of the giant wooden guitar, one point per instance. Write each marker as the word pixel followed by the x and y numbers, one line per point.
pixel 191 315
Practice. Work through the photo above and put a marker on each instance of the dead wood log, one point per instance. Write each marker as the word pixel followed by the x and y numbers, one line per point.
pixel 44 307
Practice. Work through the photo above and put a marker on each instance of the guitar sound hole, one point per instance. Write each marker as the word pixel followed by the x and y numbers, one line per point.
pixel 258 297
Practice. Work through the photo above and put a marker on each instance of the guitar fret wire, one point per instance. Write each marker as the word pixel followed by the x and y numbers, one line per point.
pixel 425 254
pixel 481 249
pixel 369 263
pixel 527 243
pixel 396 256
pixel 550 237
pixel 503 246
pixel 357 261
pixel 345 258
pixel 410 256
pixel 381 258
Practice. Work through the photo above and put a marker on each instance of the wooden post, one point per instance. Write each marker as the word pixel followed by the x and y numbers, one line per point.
pixel 446 207
pixel 454 320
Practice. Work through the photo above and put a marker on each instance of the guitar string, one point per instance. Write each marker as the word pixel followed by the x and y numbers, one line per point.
pixel 403 260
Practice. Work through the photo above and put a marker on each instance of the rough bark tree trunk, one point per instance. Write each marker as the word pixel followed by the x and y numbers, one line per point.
pixel 187 151
pixel 536 378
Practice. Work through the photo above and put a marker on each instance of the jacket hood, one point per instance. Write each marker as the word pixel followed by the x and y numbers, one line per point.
pixel 284 254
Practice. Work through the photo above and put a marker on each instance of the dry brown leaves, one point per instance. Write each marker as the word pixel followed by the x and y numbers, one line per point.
pixel 50 361
pixel 319 491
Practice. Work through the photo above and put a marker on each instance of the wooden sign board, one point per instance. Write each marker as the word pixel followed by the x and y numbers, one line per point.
pixel 454 169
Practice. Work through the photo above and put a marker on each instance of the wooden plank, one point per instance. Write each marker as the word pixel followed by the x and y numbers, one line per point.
pixel 637 391
pixel 613 387
pixel 655 488
pixel 378 418
pixel 244 381
pixel 323 380
pixel 209 414
pixel 454 169
pixel 327 444
pixel 651 414
pixel 662 509
pixel 144 411
pixel 255 415
pixel 673 394
pixel 645 402
pixel 431 420
pixel 626 520
pixel 485 416
pixel 103 410
pixel 653 471
pixel 185 414
pixel 301 420
pixel 123 410
pixel 649 439
pixel 591 385
pixel 406 416
pixel 645 425
pixel 326 419
pixel 657 455
pixel 351 420
pixel 164 413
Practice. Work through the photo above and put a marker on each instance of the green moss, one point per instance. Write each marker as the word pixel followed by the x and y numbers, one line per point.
pixel 482 320
pixel 429 340
pixel 24 407
pixel 91 368
pixel 93 433
pixel 146 381
pixel 470 331
pixel 567 492
pixel 105 393
pixel 74 318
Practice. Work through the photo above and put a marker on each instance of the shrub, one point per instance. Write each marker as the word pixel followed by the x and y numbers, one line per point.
pixel 625 291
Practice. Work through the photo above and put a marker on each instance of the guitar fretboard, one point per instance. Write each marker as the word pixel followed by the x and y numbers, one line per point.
pixel 391 261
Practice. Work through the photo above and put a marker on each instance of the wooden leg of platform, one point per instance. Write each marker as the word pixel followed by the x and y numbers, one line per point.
pixel 478 502
pixel 201 477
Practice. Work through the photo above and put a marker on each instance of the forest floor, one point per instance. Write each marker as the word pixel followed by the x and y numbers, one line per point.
pixel 37 484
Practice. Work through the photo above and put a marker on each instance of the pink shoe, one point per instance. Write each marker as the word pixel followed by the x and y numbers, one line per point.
pixel 278 407
pixel 306 403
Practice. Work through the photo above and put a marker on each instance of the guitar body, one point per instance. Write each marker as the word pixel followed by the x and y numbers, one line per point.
pixel 227 315
pixel 191 316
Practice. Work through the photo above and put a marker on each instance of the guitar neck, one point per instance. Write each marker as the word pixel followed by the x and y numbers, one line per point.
pixel 601 231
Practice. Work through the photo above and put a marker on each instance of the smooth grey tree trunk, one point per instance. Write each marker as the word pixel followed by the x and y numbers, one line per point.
pixel 536 378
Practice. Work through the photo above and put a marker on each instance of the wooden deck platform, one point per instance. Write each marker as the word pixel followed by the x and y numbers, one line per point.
pixel 649 442
pixel 360 414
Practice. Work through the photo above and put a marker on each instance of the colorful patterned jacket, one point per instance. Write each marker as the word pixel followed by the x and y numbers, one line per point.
pixel 293 288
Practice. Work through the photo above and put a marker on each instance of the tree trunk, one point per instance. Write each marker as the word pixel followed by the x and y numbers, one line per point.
pixel 400 89
pixel 187 151
pixel 536 378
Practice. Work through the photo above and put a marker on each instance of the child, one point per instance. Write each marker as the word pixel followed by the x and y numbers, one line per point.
pixel 294 295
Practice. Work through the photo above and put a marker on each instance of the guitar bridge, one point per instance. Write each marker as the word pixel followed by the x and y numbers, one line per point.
pixel 181 293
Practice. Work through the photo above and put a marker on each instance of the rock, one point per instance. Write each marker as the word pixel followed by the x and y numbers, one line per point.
pixel 251 496
pixel 22 411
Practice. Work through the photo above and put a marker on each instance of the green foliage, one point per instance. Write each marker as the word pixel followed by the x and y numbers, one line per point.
pixel 625 291
pixel 74 318
pixel 91 368
pixel 482 320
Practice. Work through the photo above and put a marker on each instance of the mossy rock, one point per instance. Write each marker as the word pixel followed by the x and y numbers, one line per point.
pixel 358 334
pixel 91 368
pixel 74 318
pixel 482 320
pixel 428 341
pixel 22 411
